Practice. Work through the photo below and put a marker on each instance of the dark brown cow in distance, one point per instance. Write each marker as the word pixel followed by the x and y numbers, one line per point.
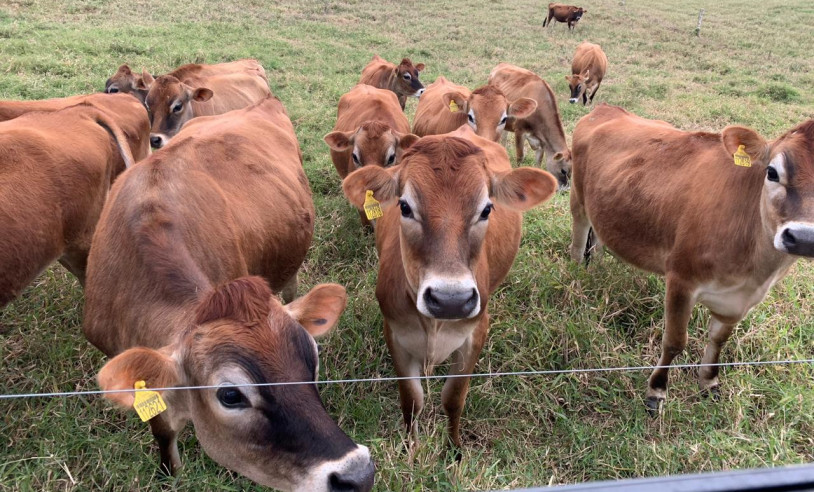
pixel 543 128
pixel 587 71
pixel 674 203
pixel 450 231
pixel 569 14
pixel 169 300
pixel 401 79
pixel 55 172
pixel 445 106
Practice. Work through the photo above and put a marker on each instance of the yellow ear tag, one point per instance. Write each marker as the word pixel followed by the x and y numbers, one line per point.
pixel 453 108
pixel 148 404
pixel 372 208
pixel 742 158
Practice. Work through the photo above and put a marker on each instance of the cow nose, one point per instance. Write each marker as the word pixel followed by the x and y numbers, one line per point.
pixel 451 303
pixel 798 239
pixel 156 141
pixel 356 480
pixel 572 100
pixel 419 92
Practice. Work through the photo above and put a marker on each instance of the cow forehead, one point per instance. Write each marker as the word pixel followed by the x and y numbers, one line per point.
pixel 164 88
pixel 798 148
pixel 442 182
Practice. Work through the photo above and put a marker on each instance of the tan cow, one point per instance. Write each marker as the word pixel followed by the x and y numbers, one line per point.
pixel 55 172
pixel 450 231
pixel 587 71
pixel 401 79
pixel 445 106
pixel 675 203
pixel 543 128
pixel 568 14
pixel 226 198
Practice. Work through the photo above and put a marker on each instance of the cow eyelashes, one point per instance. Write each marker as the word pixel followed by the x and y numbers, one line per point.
pixel 484 215
pixel 231 398
pixel 406 211
pixel 771 174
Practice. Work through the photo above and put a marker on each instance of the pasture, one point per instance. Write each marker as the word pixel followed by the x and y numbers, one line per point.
pixel 751 65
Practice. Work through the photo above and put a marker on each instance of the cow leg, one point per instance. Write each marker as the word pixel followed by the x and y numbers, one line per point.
pixel 411 394
pixel 719 333
pixel 366 224
pixel 593 92
pixel 167 439
pixel 678 304
pixel 580 229
pixel 76 262
pixel 585 97
pixel 289 290
pixel 518 145
pixel 403 102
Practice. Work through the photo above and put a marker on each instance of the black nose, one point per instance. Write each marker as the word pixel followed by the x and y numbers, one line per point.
pixel 450 304
pixel 357 480
pixel 155 141
pixel 798 241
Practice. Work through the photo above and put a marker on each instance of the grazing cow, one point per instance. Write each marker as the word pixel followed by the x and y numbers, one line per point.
pixel 675 203
pixel 168 298
pixel 587 71
pixel 445 106
pixel 55 172
pixel 401 79
pixel 543 128
pixel 564 13
pixel 450 231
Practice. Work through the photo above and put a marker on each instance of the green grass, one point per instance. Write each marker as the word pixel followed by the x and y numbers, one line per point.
pixel 751 65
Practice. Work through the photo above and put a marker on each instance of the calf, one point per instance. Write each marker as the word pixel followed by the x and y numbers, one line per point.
pixel 227 198
pixel 543 127
pixel 564 13
pixel 445 106
pixel 587 71
pixel 675 203
pixel 450 232
pixel 55 172
pixel 401 79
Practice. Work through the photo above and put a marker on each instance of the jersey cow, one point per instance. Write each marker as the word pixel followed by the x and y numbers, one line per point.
pixel 587 71
pixel 450 231
pixel 169 299
pixel 445 106
pixel 401 79
pixel 564 13
pixel 675 203
pixel 543 127
pixel 55 172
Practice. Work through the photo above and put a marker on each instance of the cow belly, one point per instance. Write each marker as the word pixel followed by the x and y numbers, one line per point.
pixel 736 299
pixel 431 341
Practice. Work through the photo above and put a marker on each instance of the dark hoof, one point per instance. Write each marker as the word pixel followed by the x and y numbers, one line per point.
pixel 713 393
pixel 653 405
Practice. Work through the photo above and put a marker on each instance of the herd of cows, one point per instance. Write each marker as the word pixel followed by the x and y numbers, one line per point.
pixel 183 251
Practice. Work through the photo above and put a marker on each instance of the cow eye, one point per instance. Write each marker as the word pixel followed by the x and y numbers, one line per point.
pixel 112 90
pixel 471 117
pixel 178 107
pixel 355 159
pixel 503 120
pixel 771 174
pixel 486 211
pixel 231 398
pixel 391 159
pixel 407 76
pixel 406 211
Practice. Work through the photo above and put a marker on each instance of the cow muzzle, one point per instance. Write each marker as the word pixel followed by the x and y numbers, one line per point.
pixel 157 140
pixel 449 299
pixel 351 473
pixel 796 238
pixel 572 100
pixel 419 92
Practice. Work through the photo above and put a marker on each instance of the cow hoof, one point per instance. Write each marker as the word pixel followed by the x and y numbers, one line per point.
pixel 713 393
pixel 654 405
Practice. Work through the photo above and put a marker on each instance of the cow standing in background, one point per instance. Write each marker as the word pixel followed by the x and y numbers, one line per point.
pixel 587 71
pixel 564 13
pixel 401 79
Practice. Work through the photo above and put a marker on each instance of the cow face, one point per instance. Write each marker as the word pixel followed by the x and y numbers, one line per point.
pixel 169 103
pixel 407 83
pixel 578 83
pixel 126 82
pixel 787 206
pixel 488 111
pixel 372 144
pixel 278 436
pixel 445 194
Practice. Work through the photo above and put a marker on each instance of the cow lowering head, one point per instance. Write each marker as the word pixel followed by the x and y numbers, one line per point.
pixel 578 84
pixel 169 102
pixel 126 82
pixel 372 144
pixel 787 206
pixel 488 111
pixel 279 436
pixel 445 194
pixel 407 83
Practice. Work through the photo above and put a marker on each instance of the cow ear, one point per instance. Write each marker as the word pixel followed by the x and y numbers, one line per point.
pixel 318 311
pixel 568 78
pixel 406 140
pixel 125 69
pixel 420 67
pixel 339 141
pixel 382 182
pixel 458 98
pixel 145 81
pixel 154 367
pixel 756 146
pixel 523 188
pixel 586 73
pixel 522 108
pixel 406 61
pixel 202 94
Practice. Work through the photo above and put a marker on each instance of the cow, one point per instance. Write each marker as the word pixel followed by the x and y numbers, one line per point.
pixel 401 79
pixel 564 13
pixel 125 81
pixel 587 71
pixel 674 203
pixel 543 128
pixel 445 106
pixel 55 172
pixel 171 299
pixel 449 234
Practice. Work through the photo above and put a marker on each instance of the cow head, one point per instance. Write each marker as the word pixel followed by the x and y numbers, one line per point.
pixel 445 193
pixel 126 82
pixel 577 13
pixel 787 206
pixel 279 436
pixel 578 84
pixel 407 83
pixel 372 144
pixel 169 103
pixel 488 111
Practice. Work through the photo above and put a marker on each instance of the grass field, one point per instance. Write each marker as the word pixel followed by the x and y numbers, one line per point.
pixel 751 65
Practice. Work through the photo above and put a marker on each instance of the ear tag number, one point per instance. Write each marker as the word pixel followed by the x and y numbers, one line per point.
pixel 148 404
pixel 742 158
pixel 372 208
pixel 453 108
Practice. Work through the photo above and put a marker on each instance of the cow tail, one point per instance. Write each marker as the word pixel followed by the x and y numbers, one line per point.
pixel 118 136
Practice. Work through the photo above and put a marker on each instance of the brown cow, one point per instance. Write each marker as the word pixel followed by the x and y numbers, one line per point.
pixel 55 172
pixel 226 198
pixel 445 106
pixel 674 203
pixel 587 71
pixel 401 79
pixel 564 13
pixel 450 231
pixel 543 128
